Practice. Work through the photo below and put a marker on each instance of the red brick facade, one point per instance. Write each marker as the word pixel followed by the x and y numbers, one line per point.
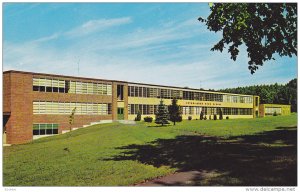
pixel 18 97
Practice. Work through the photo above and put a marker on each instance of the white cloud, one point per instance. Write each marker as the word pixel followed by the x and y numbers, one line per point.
pixel 166 55
pixel 94 26
pixel 48 38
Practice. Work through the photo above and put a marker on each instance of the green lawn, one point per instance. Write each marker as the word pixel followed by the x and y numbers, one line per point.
pixel 230 152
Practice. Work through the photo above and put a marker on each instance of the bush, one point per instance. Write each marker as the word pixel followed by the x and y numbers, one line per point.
pixel 138 116
pixel 148 119
pixel 209 117
pixel 205 117
pixel 274 114
pixel 189 117
pixel 227 117
pixel 215 117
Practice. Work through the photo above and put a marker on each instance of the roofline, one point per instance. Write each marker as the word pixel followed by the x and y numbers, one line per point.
pixel 68 76
pixel 275 104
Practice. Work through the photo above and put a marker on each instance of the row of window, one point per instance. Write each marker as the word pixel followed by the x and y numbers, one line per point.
pixel 133 109
pixel 67 86
pixel 216 110
pixel 144 109
pixel 272 110
pixel 65 108
pixel 45 129
pixel 136 91
pixel 227 111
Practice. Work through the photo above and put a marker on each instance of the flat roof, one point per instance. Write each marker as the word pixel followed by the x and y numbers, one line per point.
pixel 271 104
pixel 96 79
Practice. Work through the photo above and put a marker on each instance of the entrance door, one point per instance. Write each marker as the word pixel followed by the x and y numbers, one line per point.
pixel 120 113
pixel 5 120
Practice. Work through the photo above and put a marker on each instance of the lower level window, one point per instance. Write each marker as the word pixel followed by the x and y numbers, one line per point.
pixel 45 129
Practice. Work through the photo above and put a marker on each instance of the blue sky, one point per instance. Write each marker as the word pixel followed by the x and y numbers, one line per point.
pixel 158 43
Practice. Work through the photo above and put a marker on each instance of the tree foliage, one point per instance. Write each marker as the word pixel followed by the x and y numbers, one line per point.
pixel 264 28
pixel 161 116
pixel 174 112
pixel 273 94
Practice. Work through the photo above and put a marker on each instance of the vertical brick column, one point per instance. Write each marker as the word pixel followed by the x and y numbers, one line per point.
pixel 6 104
pixel 19 128
pixel 114 106
pixel 125 95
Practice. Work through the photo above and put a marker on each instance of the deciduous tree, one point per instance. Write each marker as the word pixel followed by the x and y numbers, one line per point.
pixel 264 28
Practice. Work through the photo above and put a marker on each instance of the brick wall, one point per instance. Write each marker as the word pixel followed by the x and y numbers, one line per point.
pixel 20 104
pixel 18 101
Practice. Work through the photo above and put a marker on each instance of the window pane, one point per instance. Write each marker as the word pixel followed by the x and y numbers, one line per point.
pixel 35 126
pixel 36 132
pixel 35 88
pixel 49 132
pixel 42 131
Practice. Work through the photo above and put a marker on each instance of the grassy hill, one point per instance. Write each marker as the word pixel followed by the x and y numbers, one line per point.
pixel 235 152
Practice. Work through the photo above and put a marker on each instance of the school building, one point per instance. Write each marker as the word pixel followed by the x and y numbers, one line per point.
pixel 37 104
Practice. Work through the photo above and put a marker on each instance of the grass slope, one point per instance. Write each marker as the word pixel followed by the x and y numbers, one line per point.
pixel 228 151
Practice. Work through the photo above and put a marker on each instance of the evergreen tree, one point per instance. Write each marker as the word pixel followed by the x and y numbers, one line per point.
pixel 201 115
pixel 221 114
pixel 174 112
pixel 138 116
pixel 161 116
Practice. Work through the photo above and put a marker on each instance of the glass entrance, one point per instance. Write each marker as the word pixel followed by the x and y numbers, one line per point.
pixel 120 113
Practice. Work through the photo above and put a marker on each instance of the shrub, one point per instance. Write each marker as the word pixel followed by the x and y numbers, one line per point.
pixel 189 117
pixel 148 119
pixel 227 117
pixel 215 117
pixel 205 117
pixel 209 117
pixel 274 114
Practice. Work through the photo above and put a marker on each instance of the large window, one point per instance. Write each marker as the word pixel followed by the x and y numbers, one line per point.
pixel 227 111
pixel 45 128
pixel 67 86
pixel 272 110
pixel 144 109
pixel 65 108
pixel 139 91
pixel 49 85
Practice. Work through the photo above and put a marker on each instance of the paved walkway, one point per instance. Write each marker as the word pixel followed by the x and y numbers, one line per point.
pixel 177 179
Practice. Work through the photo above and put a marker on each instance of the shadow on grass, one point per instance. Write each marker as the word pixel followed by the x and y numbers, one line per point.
pixel 265 159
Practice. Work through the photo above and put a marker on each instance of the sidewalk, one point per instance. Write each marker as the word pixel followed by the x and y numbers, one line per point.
pixel 177 179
